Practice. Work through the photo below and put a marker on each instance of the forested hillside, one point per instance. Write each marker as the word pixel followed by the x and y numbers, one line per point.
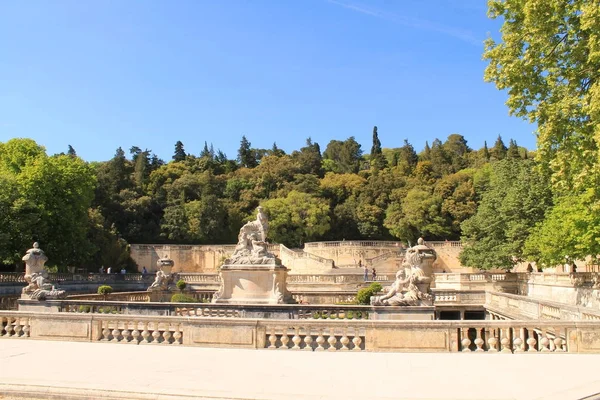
pixel 86 214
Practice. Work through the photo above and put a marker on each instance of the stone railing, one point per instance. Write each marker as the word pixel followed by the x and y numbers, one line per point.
pixel 508 337
pixel 478 281
pixel 354 243
pixel 370 262
pixel 458 297
pixel 447 243
pixel 199 278
pixel 521 307
pixel 284 253
pixel 12 277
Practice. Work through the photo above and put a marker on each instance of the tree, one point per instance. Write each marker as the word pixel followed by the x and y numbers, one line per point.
pixel 457 150
pixel 71 152
pixel 179 152
pixel 246 156
pixel 297 218
pixel 417 214
pixel 309 158
pixel 513 150
pixel 548 61
pixel 571 228
pixel 342 157
pixel 515 201
pixel 485 152
pixel 499 150
pixel 407 158
pixel 377 159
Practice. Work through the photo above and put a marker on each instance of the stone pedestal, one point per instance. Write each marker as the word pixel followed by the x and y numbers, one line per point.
pixel 253 284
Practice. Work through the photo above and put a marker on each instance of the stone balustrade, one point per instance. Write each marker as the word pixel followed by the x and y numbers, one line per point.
pixel 508 336
pixel 458 297
pixel 353 243
pixel 478 281
pixel 447 243
pixel 199 278
pixel 522 307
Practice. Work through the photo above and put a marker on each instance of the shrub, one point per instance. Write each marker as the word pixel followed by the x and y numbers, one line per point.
pixel 364 295
pixel 105 290
pixel 181 285
pixel 85 309
pixel 182 298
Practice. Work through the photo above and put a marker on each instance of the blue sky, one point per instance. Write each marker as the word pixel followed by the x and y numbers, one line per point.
pixel 102 74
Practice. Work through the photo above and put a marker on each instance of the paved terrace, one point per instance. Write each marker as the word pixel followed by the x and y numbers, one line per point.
pixel 66 370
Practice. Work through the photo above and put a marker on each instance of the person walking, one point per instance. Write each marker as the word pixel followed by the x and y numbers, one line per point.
pixel 374 273
pixel 144 271
pixel 109 270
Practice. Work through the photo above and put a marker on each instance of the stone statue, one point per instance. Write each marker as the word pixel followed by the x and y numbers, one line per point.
pixel 160 282
pixel 252 246
pixel 403 292
pixel 34 259
pixel 163 276
pixel 412 280
pixel 39 287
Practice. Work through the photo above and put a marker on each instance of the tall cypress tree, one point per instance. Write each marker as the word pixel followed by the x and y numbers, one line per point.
pixel 378 161
pixel 179 152
pixel 246 155
pixel 499 150
pixel 71 152
pixel 486 152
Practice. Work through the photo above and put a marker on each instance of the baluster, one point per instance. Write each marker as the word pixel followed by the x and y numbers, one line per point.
pixel 465 342
pixel 479 341
pixel 10 327
pixel 308 341
pixel 156 333
pixel 320 341
pixel 492 341
pixel 296 339
pixel 332 340
pixel 531 342
pixel 344 340
pixel 167 336
pixel 505 340
pixel 518 339
pixel 26 327
pixel 272 339
pixel 105 331
pixel 116 332
pixel 146 333
pixel 177 335
pixel 135 333
pixel 18 327
pixel 126 332
pixel 356 340
pixel 285 339
pixel 558 341
pixel 544 341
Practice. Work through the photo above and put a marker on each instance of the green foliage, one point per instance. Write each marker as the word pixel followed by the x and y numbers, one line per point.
pixel 105 290
pixel 182 298
pixel 548 62
pixel 297 218
pixel 571 228
pixel 181 285
pixel 515 201
pixel 364 295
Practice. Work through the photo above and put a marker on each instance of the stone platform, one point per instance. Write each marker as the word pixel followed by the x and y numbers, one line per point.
pixel 253 284
pixel 105 371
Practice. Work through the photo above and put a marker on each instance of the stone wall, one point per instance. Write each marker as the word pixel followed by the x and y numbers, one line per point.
pixel 315 258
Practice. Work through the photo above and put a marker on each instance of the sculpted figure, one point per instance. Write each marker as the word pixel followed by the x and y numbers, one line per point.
pixel 160 282
pixel 40 289
pixel 252 246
